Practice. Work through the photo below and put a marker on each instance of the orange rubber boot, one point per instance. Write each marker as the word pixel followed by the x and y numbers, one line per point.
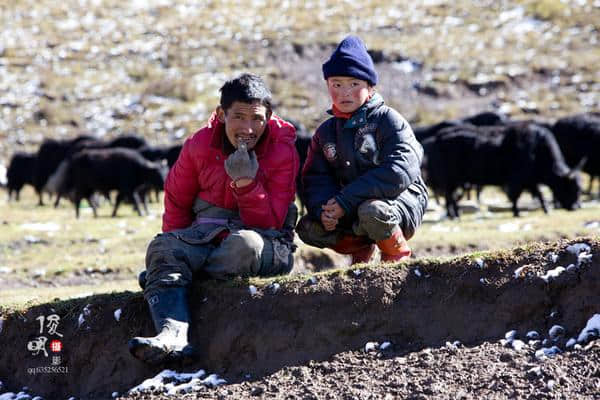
pixel 358 247
pixel 395 248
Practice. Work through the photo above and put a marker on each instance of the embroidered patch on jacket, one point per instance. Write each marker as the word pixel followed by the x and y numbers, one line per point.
pixel 330 152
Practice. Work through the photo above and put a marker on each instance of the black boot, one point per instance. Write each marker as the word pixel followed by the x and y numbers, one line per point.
pixel 171 316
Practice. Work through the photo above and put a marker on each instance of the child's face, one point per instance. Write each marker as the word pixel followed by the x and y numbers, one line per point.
pixel 348 93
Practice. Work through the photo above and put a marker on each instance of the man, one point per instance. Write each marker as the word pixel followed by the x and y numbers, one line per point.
pixel 229 211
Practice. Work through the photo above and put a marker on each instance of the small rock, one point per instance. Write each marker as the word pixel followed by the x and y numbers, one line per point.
pixel 578 248
pixel 274 287
pixel 506 357
pixel 312 280
pixel 532 335
pixel 534 372
pixel 257 391
pixel 556 332
pixel 371 346
pixel 547 352
pixel 550 384
pixel 252 289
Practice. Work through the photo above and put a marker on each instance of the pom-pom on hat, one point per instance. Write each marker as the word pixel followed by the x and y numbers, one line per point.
pixel 350 58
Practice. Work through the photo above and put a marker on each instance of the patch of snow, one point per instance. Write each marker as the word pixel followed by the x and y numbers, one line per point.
pixel 32 239
pixel 510 335
pixel 371 346
pixel 518 344
pixel 81 295
pixel 479 262
pixel 252 289
pixel 444 228
pixel 406 66
pixel 553 273
pixel 571 267
pixel 515 13
pixel 85 313
pixel 451 346
pixel 570 343
pixel 213 380
pixel 274 287
pixel 578 248
pixel 550 384
pixel 44 227
pixel 114 395
pixel 547 352
pixel 312 280
pixel 535 371
pixel 3 179
pixel 118 314
pixel 177 382
pixel 553 257
pixel 508 227
pixel 417 272
pixel 1 324
pixel 5 270
pixel 592 225
pixel 38 273
pixel 384 346
pixel 357 272
pixel 584 258
pixel 591 328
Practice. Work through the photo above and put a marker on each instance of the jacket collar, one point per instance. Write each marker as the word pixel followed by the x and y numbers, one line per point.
pixel 359 117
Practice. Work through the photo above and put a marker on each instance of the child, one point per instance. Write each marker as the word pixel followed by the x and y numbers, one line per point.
pixel 362 176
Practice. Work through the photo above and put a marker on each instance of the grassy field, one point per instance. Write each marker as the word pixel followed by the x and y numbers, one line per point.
pixel 154 68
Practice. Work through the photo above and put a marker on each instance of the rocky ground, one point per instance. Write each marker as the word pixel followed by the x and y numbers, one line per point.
pixel 512 324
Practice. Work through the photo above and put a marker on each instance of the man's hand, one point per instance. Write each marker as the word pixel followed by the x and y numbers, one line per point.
pixel 333 209
pixel 241 166
pixel 328 223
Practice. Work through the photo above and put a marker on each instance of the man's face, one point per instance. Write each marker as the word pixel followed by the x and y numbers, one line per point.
pixel 348 93
pixel 244 122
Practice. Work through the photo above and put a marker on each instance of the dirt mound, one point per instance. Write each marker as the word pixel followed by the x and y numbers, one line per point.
pixel 415 306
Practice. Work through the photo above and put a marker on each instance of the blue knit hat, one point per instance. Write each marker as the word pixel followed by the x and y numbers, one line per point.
pixel 351 59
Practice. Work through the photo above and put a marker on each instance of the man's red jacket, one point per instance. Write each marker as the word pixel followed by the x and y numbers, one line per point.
pixel 200 172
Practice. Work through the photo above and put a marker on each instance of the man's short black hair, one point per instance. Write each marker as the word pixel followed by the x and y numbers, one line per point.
pixel 246 88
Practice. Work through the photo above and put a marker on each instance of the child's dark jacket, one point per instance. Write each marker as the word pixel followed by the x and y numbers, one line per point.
pixel 372 155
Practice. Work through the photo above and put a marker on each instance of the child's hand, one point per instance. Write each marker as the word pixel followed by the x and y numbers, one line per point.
pixel 333 209
pixel 328 223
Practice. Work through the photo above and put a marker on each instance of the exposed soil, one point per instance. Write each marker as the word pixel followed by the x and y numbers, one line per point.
pixel 306 339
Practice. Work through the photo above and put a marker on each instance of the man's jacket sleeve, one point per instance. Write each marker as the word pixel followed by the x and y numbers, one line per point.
pixel 181 188
pixel 318 179
pixel 264 203
pixel 400 165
